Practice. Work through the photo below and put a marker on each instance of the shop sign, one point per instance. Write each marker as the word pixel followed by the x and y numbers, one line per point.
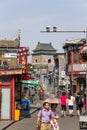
pixel 10 72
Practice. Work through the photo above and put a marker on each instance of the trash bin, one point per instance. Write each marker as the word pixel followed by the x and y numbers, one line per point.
pixel 17 114
pixel 17 111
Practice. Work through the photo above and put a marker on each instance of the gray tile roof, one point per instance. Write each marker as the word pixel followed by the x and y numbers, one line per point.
pixel 44 46
pixel 80 41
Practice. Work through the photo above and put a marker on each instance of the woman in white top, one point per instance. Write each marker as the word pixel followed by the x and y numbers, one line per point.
pixel 70 103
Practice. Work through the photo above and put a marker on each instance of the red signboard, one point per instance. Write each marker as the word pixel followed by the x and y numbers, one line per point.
pixel 23 58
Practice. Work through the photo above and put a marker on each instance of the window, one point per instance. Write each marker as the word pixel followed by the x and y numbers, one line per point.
pixel 5 78
pixel 36 60
pixel 76 57
pixel 49 60
pixel 56 62
pixel 69 58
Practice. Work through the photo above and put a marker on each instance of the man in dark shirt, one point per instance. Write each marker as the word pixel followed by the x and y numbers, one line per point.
pixel 79 104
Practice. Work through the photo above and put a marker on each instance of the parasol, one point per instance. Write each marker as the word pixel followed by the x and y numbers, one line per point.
pixel 52 100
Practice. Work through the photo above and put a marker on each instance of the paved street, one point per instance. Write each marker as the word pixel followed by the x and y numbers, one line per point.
pixel 66 123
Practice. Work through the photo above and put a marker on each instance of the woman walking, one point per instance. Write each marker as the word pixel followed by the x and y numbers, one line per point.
pixel 54 122
pixel 63 99
pixel 70 103
pixel 84 102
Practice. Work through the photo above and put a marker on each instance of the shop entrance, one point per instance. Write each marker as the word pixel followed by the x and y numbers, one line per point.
pixel 5 103
pixel 0 102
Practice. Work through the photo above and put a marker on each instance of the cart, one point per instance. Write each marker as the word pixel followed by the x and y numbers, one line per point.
pixel 83 121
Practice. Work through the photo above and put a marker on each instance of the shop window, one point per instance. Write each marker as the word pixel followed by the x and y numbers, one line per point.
pixel 76 57
pixel 69 58
pixel 5 78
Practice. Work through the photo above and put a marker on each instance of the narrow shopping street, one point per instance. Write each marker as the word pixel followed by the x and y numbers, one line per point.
pixel 65 123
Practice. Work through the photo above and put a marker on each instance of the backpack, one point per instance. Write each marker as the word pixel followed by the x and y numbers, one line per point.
pixel 80 102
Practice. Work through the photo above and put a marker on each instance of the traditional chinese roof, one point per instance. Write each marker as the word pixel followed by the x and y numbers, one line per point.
pixel 44 47
pixel 9 43
pixel 74 42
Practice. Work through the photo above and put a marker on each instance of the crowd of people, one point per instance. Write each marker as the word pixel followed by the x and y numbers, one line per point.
pixel 47 118
pixel 78 101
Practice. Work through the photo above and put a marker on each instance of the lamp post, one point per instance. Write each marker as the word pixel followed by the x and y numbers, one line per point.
pixel 54 30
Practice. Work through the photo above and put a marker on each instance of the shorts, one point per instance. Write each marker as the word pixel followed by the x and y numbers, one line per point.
pixel 78 107
pixel 70 107
pixel 63 107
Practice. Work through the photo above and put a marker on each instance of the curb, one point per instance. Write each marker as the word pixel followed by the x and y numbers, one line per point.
pixel 8 125
pixel 35 109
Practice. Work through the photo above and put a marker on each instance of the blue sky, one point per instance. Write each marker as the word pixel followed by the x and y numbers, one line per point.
pixel 32 16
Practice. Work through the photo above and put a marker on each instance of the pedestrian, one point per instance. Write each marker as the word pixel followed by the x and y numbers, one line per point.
pixel 41 93
pixel 70 103
pixel 54 122
pixel 32 94
pixel 84 102
pixel 35 89
pixel 63 99
pixel 69 90
pixel 44 117
pixel 25 107
pixel 79 104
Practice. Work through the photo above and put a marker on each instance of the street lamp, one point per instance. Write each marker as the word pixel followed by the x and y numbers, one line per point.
pixel 55 30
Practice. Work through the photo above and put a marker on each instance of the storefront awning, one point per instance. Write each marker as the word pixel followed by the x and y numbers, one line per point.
pixel 30 82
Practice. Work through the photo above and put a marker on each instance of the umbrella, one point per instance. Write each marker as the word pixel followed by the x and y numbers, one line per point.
pixel 52 100
pixel 30 82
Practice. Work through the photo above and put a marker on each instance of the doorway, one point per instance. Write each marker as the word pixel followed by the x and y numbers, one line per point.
pixel 5 103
